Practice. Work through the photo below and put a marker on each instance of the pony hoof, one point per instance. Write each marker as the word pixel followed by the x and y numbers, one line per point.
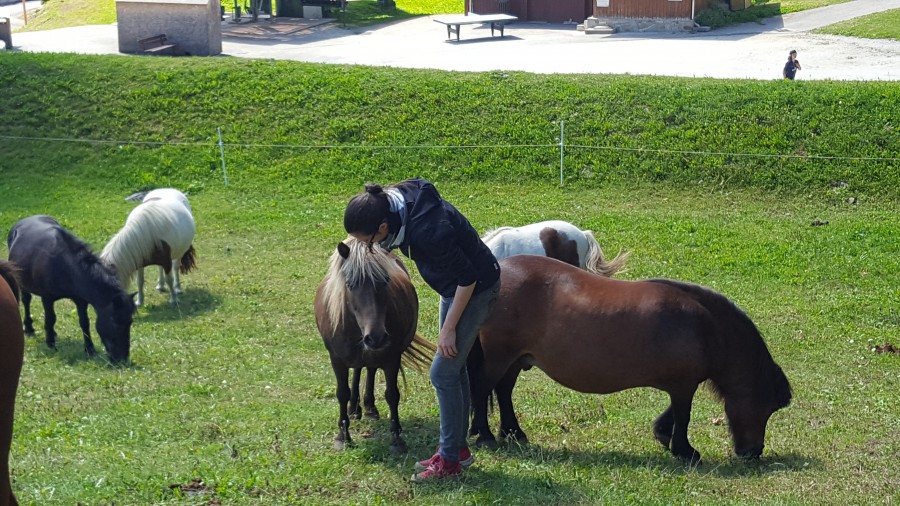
pixel 692 458
pixel 29 332
pixel 341 445
pixel 663 439
pixel 398 447
pixel 373 415
pixel 486 442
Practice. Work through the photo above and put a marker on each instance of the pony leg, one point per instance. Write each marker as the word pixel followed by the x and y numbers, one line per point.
pixel 172 295
pixel 509 424
pixel 49 322
pixel 484 382
pixel 663 427
pixel 28 322
pixel 176 268
pixel 85 324
pixel 369 396
pixel 342 440
pixel 681 415
pixel 160 282
pixel 353 410
pixel 392 396
pixel 140 287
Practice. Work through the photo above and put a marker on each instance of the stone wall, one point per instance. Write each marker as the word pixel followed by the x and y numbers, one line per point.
pixel 194 25
pixel 639 25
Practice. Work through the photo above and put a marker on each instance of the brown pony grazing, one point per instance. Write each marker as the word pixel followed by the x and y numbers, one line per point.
pixel 12 348
pixel 367 312
pixel 599 335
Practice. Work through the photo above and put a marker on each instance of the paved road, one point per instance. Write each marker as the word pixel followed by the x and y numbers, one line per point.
pixel 752 50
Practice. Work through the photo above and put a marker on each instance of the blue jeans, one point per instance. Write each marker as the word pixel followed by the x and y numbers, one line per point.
pixel 449 375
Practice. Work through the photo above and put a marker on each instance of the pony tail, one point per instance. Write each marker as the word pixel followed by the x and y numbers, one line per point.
pixel 597 264
pixel 11 273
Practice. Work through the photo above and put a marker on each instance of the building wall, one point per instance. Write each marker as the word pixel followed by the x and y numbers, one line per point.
pixel 650 8
pixel 551 11
pixel 195 25
pixel 558 11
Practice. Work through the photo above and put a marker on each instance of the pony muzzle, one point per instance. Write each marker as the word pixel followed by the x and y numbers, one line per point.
pixel 374 341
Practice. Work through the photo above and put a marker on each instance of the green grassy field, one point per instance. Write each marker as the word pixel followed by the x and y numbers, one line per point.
pixel 229 399
pixel 883 25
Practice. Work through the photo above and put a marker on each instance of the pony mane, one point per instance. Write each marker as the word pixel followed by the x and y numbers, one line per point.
pixel 100 274
pixel 134 243
pixel 361 266
pixel 766 381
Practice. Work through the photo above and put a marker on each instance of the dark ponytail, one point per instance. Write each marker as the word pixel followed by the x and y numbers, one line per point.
pixel 367 210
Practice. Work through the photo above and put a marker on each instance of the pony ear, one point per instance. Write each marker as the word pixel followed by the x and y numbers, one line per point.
pixel 343 250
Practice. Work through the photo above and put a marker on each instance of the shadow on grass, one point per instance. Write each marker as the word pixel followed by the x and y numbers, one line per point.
pixel 191 303
pixel 71 352
pixel 663 460
pixel 373 438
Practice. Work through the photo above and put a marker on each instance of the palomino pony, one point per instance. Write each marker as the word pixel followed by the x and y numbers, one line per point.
pixel 600 335
pixel 12 348
pixel 367 312
pixel 57 265
pixel 157 232
pixel 554 239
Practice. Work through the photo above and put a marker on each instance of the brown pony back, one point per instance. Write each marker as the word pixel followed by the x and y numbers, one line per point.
pixel 12 347
pixel 599 335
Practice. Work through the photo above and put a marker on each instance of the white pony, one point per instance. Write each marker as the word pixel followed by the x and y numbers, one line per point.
pixel 554 239
pixel 159 231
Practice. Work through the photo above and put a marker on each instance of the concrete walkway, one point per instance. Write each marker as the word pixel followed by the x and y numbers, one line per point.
pixel 752 50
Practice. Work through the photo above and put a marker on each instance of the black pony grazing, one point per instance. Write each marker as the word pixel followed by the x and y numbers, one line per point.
pixel 57 265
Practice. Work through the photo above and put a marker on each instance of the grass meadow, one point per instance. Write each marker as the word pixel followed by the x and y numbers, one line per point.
pixel 782 196
pixel 882 25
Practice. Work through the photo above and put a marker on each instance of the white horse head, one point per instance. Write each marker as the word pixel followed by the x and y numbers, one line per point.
pixel 160 232
pixel 555 239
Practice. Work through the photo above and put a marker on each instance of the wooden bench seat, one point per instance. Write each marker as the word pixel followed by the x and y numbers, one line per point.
pixel 157 44
pixel 497 22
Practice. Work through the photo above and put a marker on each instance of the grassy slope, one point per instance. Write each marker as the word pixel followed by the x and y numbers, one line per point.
pixel 614 125
pixel 883 25
pixel 233 387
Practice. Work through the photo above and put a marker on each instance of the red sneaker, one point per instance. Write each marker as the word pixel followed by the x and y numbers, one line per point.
pixel 465 459
pixel 439 470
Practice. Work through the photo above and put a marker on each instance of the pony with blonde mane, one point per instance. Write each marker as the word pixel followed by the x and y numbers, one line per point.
pixel 367 313
pixel 555 239
pixel 159 232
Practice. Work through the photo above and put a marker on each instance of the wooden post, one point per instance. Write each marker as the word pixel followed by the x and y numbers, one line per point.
pixel 24 12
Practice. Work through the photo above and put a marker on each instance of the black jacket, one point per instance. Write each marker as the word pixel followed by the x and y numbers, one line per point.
pixel 445 247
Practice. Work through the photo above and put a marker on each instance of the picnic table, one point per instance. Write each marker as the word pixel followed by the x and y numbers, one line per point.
pixel 497 22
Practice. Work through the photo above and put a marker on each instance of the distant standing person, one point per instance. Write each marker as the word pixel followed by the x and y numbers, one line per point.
pixel 792 66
